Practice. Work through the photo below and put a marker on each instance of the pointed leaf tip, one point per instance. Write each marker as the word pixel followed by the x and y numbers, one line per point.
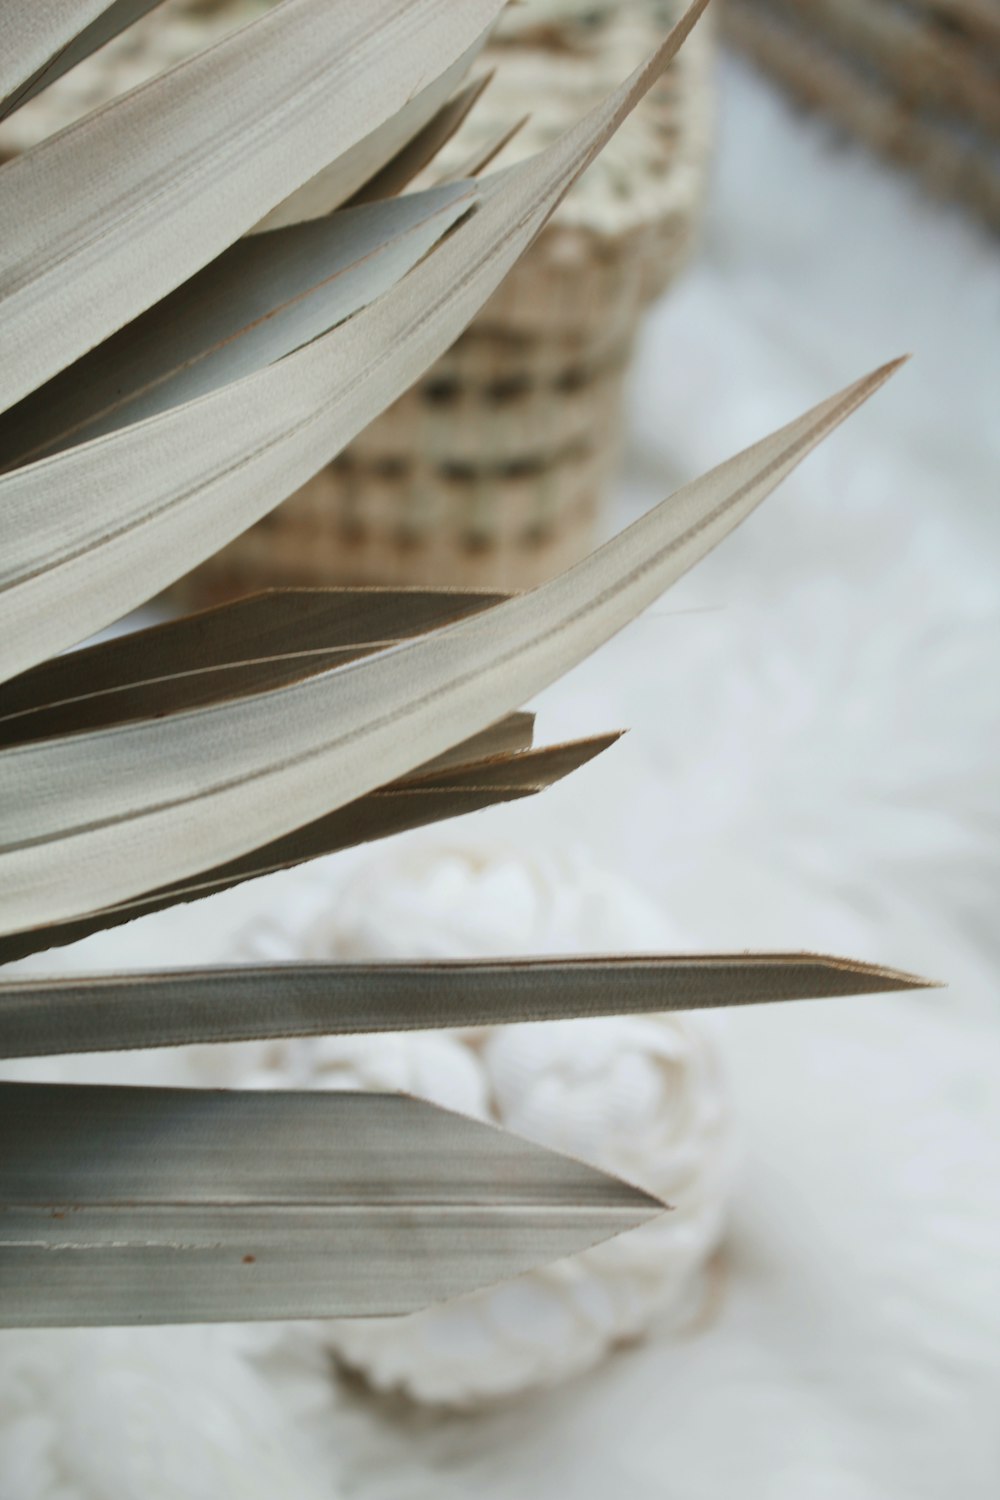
pixel 879 376
pixel 679 32
pixel 174 1007
pixel 876 978
pixel 328 1192
pixel 846 401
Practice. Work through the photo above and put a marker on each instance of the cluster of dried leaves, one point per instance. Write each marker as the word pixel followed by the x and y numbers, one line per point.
pixel 206 289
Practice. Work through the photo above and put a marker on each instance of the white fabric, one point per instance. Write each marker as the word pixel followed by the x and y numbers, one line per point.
pixel 813 762
pixel 643 1097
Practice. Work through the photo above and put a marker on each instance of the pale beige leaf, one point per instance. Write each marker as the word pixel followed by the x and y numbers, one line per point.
pixel 96 818
pixel 92 532
pixel 349 175
pixel 170 1205
pixel 176 1008
pixel 509 735
pixel 411 802
pixel 501 772
pixel 237 648
pixel 104 219
pixel 266 296
pixel 40 40
pixel 398 173
pixel 486 153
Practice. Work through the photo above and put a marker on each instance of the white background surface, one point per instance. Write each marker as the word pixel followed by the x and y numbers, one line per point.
pixel 812 764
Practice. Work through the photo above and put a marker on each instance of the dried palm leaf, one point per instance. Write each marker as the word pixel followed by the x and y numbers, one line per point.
pixel 97 529
pixel 97 818
pixel 42 41
pixel 429 118
pixel 425 145
pixel 175 1007
pixel 266 296
pixel 240 647
pixel 192 159
pixel 172 1205
pixel 166 383
pixel 412 802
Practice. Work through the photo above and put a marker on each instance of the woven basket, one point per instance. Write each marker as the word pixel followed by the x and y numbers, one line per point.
pixel 491 471
pixel 919 80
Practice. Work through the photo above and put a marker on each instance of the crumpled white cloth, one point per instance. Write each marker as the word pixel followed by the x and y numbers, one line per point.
pixel 151 1414
pixel 640 1096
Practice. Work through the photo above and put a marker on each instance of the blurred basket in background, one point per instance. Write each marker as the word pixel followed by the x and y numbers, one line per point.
pixel 919 80
pixel 491 471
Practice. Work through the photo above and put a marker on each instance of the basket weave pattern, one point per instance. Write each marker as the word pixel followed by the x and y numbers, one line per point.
pixel 919 80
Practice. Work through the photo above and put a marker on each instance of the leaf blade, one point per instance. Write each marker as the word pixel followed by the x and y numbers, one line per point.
pixel 262 299
pixel 112 810
pixel 349 177
pixel 93 532
pixel 42 41
pixel 163 1205
pixel 175 1008
pixel 192 159
pixel 79 690
pixel 399 808
pixel 422 148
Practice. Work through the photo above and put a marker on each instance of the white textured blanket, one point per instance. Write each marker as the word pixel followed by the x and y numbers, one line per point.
pixel 816 717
